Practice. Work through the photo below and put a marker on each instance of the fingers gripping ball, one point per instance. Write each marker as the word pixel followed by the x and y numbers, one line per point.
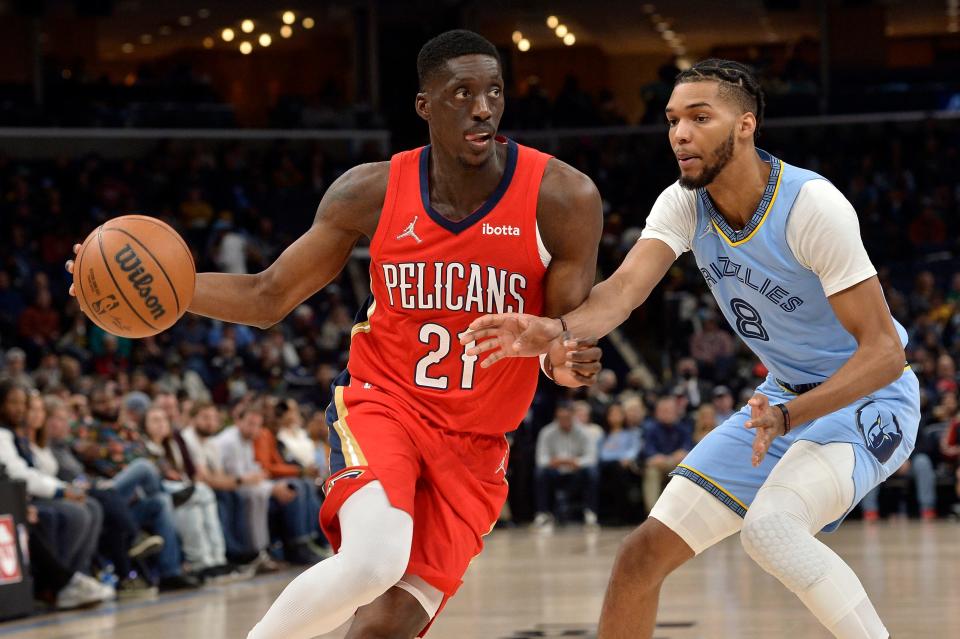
pixel 134 276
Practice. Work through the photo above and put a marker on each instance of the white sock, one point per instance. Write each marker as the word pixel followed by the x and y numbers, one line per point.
pixel 372 558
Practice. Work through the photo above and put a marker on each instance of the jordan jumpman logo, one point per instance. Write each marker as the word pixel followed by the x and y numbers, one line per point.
pixel 409 232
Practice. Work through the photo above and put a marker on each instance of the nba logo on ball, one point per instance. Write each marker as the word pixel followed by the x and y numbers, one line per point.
pixel 105 304
pixel 880 430
pixel 9 557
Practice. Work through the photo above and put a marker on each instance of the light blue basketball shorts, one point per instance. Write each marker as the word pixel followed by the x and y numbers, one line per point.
pixel 881 426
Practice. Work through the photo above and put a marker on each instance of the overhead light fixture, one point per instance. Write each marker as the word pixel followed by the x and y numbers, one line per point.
pixel 165 30
pixel 228 35
pixel 246 48
pixel 569 39
pixel 308 23
pixel 265 40
pixel 553 21
pixel 668 35
pixel 524 44
pixel 649 8
pixel 662 26
pixel 286 31
pixel 247 26
pixel 203 14
pixel 289 17
pixel 561 30
pixel 146 38
pixel 516 37
pixel 208 43
pixel 185 21
pixel 683 63
pixel 127 47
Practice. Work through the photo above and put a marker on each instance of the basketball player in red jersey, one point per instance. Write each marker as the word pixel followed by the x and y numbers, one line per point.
pixel 471 224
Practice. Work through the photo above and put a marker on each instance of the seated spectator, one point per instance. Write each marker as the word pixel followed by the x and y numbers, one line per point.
pixel 618 471
pixel 320 435
pixel 16 368
pixel 237 450
pixel 296 442
pixel 566 461
pixel 666 441
pixel 114 449
pixel 950 452
pixel 121 540
pixel 722 403
pixel 705 420
pixel 582 415
pixel 197 519
pixel 230 490
pixel 72 522
pixel 689 384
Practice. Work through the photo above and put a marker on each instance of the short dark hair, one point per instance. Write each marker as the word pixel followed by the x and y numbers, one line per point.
pixel 434 54
pixel 737 82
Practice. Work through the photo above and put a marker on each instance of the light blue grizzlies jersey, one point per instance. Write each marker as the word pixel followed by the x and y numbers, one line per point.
pixel 774 302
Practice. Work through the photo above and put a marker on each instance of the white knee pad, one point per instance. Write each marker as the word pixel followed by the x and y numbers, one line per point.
pixel 779 543
pixel 699 518
pixel 428 596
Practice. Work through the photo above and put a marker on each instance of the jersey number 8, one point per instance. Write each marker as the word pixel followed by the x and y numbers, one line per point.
pixel 749 323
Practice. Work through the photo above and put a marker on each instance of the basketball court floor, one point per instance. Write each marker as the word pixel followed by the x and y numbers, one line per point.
pixel 530 584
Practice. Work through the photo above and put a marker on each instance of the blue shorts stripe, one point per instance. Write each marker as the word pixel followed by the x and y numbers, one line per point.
pixel 711 488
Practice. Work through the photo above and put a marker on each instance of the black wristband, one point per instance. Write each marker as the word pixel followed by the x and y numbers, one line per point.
pixel 786 417
pixel 563 323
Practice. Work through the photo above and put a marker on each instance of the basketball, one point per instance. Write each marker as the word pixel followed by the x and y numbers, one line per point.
pixel 134 276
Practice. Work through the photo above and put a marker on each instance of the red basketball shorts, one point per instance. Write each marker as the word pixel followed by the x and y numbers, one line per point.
pixel 452 484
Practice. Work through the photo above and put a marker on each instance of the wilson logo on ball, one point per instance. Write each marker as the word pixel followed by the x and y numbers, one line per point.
pixel 130 262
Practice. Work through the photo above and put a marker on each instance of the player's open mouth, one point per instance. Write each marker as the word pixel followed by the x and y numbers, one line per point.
pixel 687 160
pixel 478 141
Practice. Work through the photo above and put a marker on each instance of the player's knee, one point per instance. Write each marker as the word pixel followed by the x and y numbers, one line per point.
pixel 380 568
pixel 780 544
pixel 646 553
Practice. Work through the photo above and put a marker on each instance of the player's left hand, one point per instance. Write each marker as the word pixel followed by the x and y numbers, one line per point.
pixel 575 362
pixel 768 423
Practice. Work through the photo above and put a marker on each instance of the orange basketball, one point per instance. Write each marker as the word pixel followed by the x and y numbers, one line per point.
pixel 134 276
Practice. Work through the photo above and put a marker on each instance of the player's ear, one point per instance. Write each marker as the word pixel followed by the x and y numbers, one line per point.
pixel 422 105
pixel 748 124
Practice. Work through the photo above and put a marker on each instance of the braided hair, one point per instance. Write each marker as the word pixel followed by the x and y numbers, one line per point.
pixel 737 83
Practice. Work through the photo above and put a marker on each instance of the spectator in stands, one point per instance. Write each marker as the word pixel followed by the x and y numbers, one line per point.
pixel 115 450
pixel 666 441
pixel 695 390
pixel 618 471
pixel 197 519
pixel 72 523
pixel 294 438
pixel 237 450
pixel 320 435
pixel 705 420
pixel 603 393
pixel 40 322
pixel 713 349
pixel 121 540
pixel 566 462
pixel 581 414
pixel 722 403
pixel 16 368
pixel 634 413
pixel 268 454
pixel 950 451
pixel 230 490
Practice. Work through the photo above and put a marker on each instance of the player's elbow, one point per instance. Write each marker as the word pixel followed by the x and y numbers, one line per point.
pixel 892 359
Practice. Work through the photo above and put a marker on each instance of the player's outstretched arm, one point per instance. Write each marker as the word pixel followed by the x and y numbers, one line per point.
pixel 349 209
pixel 610 303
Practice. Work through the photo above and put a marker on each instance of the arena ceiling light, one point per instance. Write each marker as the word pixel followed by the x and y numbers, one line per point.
pixel 228 35
pixel 247 26
pixel 146 38
pixel 523 45
pixel 246 48
pixel 289 17
pixel 286 31
pixel 185 21
pixel 203 14
pixel 561 30
pixel 517 36
pixel 569 39
pixel 127 47
pixel 308 23
pixel 208 43
pixel 265 40
pixel 553 21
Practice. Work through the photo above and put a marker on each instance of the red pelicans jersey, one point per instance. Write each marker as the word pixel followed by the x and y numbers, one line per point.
pixel 430 277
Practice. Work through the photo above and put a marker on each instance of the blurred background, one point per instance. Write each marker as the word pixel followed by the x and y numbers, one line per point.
pixel 230 119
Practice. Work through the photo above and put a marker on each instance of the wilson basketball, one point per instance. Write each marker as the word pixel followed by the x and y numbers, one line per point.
pixel 134 276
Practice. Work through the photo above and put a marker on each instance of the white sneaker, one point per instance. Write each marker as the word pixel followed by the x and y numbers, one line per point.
pixel 590 519
pixel 543 521
pixel 79 592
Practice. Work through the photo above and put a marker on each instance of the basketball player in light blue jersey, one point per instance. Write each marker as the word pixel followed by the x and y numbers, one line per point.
pixel 780 249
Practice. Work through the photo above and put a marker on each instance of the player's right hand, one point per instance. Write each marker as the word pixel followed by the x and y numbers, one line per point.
pixel 510 335
pixel 69 267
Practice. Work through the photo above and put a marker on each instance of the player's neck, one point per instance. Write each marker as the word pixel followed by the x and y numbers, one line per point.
pixel 737 191
pixel 457 190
